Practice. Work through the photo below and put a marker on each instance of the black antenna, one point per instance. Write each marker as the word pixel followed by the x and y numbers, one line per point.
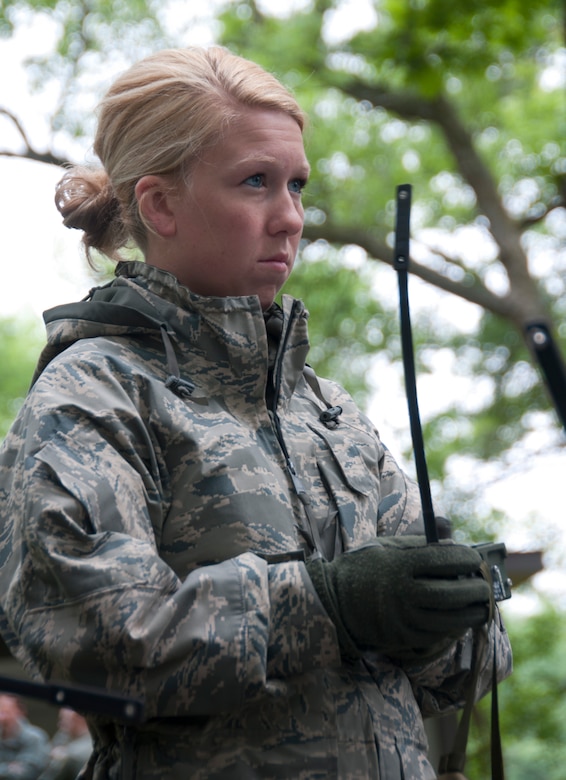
pixel 401 265
pixel 544 347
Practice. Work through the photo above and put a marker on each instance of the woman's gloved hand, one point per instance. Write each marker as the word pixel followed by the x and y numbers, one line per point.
pixel 401 596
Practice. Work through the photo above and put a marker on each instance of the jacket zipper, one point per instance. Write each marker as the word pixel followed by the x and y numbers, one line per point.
pixel 310 530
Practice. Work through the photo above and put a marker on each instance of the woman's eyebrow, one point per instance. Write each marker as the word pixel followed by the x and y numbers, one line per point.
pixel 268 159
pixel 255 158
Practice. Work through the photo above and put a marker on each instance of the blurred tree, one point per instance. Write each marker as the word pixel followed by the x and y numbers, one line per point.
pixel 417 90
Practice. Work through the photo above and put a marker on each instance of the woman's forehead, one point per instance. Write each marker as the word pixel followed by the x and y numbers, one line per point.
pixel 260 135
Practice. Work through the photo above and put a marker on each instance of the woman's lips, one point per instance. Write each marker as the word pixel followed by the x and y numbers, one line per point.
pixel 280 261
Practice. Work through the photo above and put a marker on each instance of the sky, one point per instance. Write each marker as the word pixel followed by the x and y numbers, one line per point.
pixel 42 266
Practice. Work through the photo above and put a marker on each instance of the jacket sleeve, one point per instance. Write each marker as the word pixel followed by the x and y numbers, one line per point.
pixel 445 684
pixel 87 599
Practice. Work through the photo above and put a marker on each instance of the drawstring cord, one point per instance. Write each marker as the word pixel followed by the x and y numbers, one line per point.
pixel 331 414
pixel 181 387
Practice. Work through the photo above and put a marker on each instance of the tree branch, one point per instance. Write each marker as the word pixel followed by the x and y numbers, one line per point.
pixel 19 127
pixel 474 292
pixel 441 112
pixel 524 300
pixel 556 203
pixel 29 152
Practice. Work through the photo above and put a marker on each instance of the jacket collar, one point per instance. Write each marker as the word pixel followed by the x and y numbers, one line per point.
pixel 223 339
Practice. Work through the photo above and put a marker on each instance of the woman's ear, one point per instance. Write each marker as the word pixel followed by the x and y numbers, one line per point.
pixel 154 195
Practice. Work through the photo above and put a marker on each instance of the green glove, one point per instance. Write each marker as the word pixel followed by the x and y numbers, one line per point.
pixel 402 596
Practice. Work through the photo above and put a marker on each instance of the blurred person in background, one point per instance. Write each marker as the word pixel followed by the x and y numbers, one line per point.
pixel 70 747
pixel 24 748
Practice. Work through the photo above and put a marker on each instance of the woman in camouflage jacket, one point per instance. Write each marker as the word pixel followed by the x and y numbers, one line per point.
pixel 189 515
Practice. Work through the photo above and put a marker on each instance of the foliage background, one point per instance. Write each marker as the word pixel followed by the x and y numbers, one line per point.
pixel 467 103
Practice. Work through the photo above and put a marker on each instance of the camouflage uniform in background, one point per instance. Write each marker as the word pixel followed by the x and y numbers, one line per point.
pixel 157 492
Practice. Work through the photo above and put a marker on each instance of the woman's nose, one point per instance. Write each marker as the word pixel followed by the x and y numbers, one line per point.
pixel 287 214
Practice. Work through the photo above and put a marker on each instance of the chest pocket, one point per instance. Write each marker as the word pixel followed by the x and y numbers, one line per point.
pixel 348 468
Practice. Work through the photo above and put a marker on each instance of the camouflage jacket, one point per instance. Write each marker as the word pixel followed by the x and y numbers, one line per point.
pixel 152 500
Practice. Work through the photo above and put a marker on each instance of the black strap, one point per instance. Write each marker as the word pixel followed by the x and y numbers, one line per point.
pixel 128 754
pixel 497 768
pixel 78 697
pixel 453 763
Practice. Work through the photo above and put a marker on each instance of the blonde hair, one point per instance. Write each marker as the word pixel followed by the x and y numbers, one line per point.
pixel 157 118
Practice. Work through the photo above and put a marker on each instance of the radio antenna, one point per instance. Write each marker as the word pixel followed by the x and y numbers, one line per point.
pixel 401 265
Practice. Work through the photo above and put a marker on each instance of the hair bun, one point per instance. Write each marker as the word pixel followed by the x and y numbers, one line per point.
pixel 86 200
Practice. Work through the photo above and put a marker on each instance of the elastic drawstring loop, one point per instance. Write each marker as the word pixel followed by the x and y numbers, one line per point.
pixel 181 387
pixel 331 414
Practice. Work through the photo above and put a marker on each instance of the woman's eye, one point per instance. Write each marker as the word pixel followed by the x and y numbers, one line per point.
pixel 297 185
pixel 257 180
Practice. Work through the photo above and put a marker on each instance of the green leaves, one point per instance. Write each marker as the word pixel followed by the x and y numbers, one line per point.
pixel 456 99
pixel 441 96
pixel 532 703
pixel 347 325
pixel 20 344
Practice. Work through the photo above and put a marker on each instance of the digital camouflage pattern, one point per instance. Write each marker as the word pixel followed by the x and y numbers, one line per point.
pixel 155 513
